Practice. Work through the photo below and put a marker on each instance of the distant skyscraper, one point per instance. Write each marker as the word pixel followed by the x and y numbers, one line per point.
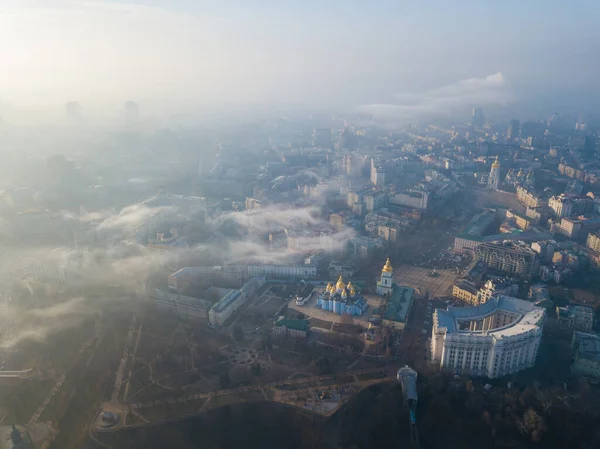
pixel 532 129
pixel 494 179
pixel 478 119
pixel 513 129
pixel 377 174
pixel 321 137
pixel 348 140
pixel 73 112
pixel 580 125
pixel 132 110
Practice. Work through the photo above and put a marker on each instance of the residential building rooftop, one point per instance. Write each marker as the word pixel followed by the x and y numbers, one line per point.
pixel 570 311
pixel 588 345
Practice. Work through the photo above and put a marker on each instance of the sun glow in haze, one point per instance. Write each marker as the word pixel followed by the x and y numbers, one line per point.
pixel 346 53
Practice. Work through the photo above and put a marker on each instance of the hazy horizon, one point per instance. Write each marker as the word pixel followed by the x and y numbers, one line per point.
pixel 398 58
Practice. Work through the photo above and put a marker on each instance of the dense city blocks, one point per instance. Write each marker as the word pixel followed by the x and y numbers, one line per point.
pixel 337 225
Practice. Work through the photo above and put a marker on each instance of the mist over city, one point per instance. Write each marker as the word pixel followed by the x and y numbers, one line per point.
pixel 333 224
pixel 186 56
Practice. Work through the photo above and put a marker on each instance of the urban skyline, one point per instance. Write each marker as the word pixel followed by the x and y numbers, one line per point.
pixel 310 224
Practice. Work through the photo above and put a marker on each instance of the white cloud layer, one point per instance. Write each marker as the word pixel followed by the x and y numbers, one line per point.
pixel 129 265
pixel 446 100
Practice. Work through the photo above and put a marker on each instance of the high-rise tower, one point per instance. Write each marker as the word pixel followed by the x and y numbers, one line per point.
pixel 514 128
pixel 477 118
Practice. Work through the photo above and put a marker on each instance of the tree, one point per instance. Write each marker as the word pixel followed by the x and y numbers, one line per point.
pixel 486 417
pixel 324 366
pixel 256 369
pixel 224 380
pixel 528 397
pixel 469 386
pixel 533 425
pixel 268 342
pixel 238 333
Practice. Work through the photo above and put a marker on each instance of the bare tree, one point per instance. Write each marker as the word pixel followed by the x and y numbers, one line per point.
pixel 533 425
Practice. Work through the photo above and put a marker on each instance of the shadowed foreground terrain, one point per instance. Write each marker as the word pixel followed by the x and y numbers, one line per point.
pixel 450 416
pixel 266 425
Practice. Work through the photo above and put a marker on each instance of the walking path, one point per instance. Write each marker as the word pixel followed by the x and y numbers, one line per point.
pixel 124 358
pixel 47 400
pixel 197 396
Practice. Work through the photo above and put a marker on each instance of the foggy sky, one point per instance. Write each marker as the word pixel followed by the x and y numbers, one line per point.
pixel 174 53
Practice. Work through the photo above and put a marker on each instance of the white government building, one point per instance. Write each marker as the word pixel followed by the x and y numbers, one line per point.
pixel 494 339
pixel 185 307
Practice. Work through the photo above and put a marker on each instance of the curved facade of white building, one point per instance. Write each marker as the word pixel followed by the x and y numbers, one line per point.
pixel 494 339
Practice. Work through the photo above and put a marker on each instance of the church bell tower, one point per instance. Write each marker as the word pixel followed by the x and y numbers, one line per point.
pixel 387 273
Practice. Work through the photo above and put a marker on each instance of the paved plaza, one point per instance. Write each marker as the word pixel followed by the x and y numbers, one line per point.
pixel 419 278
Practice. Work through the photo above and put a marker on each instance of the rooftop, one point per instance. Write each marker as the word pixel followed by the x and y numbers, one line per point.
pixel 399 304
pixel 464 284
pixel 408 377
pixel 572 311
pixel 298 325
pixel 588 345
pixel 498 283
pixel 191 271
pixel 515 246
pixel 529 316
pixel 181 299
pixel 225 301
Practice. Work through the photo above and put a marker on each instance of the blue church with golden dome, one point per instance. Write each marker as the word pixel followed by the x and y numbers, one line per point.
pixel 342 299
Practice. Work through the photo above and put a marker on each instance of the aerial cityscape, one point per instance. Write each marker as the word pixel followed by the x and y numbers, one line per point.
pixel 260 250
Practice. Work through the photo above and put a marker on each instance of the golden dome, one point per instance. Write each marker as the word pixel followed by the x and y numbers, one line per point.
pixel 329 287
pixel 349 286
pixel 388 266
pixel 340 284
pixel 496 164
